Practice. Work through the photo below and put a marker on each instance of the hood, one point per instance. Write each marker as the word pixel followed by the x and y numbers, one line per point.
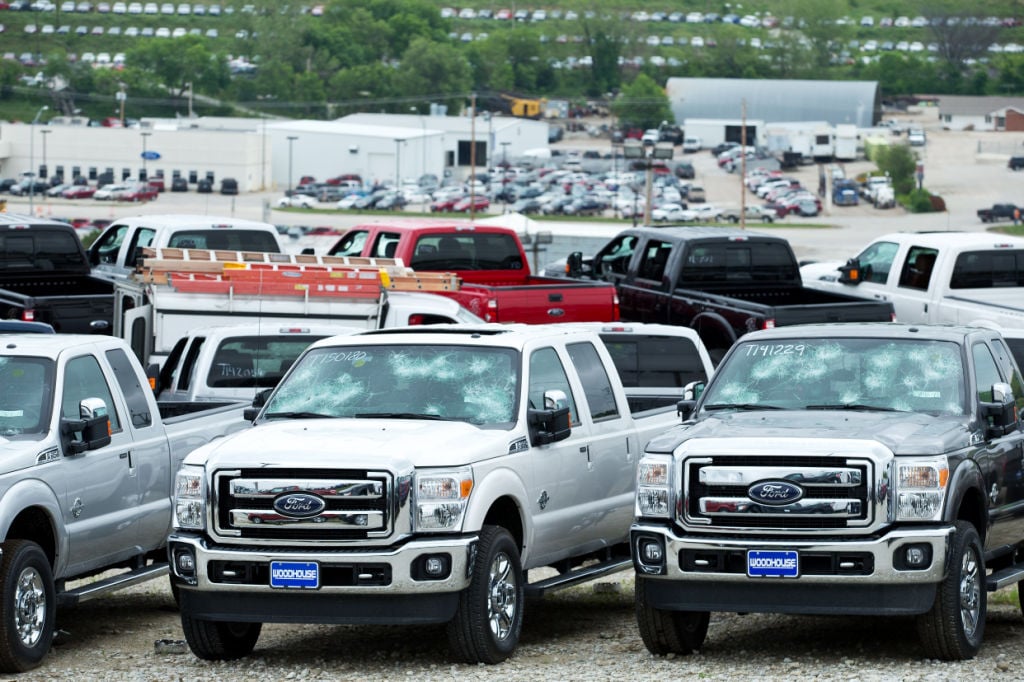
pixel 903 433
pixel 16 455
pixel 355 443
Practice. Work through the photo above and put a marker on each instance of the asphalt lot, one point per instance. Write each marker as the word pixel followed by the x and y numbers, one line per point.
pixel 954 168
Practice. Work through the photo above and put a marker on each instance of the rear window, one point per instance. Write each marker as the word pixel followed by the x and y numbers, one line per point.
pixel 255 361
pixel 226 239
pixel 742 261
pixel 466 251
pixel 988 269
pixel 38 248
pixel 645 361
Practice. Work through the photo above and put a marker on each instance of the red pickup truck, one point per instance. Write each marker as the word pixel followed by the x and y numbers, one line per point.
pixel 496 280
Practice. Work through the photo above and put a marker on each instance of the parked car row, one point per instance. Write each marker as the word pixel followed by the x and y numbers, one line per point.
pixel 782 195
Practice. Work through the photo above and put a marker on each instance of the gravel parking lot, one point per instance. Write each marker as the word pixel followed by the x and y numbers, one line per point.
pixel 587 632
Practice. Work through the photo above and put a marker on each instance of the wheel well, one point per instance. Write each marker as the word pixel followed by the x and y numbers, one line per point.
pixel 34 524
pixel 972 509
pixel 505 513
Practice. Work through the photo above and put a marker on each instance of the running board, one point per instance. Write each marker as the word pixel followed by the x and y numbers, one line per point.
pixel 112 584
pixel 1004 577
pixel 577 576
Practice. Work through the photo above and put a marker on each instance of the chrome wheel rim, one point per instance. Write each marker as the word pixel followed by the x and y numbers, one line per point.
pixel 502 602
pixel 29 607
pixel 970 592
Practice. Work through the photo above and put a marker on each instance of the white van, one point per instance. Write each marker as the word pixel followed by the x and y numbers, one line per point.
pixel 691 145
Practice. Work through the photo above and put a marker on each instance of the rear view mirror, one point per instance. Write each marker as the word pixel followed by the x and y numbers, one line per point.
pixel 999 416
pixel 93 424
pixel 554 422
pixel 574 265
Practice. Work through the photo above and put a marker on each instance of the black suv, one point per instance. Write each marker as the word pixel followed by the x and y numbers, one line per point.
pixel 1016 163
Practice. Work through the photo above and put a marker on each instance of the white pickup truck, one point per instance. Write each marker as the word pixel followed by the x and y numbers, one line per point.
pixel 414 476
pixel 969 278
pixel 88 459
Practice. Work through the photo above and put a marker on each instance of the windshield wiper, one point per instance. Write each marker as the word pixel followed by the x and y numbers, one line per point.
pixel 742 406
pixel 853 406
pixel 400 415
pixel 299 415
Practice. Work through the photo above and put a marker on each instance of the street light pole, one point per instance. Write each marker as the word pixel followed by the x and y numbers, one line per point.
pixel 32 157
pixel 145 173
pixel 504 176
pixel 398 162
pixel 634 149
pixel 291 139
pixel 44 133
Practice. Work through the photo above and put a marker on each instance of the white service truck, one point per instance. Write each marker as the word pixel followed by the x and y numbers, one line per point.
pixel 414 476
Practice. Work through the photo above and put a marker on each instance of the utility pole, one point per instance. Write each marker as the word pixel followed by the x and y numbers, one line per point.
pixel 472 157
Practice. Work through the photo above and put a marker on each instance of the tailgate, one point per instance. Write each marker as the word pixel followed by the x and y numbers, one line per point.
pixel 862 311
pixel 561 302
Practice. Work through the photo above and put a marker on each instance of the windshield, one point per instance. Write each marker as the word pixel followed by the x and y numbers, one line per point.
pixel 26 389
pixel 472 384
pixel 883 374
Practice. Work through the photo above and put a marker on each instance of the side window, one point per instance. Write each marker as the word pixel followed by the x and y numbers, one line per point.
pixel 596 385
pixel 876 261
pixel 652 263
pixel 83 379
pixel 106 247
pixel 917 271
pixel 1006 364
pixel 169 372
pixel 547 373
pixel 143 238
pixel 134 394
pixel 351 244
pixel 385 245
pixel 188 365
pixel 615 256
pixel 985 371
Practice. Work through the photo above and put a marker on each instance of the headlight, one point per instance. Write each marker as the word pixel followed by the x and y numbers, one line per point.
pixel 653 496
pixel 190 499
pixel 921 488
pixel 441 498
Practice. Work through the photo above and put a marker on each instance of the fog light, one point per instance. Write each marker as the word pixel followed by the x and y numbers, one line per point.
pixel 916 556
pixel 185 562
pixel 913 557
pixel 651 552
pixel 433 566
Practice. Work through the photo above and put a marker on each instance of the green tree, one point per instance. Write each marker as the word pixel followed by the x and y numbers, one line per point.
pixel 899 162
pixel 643 104
pixel 431 70
pixel 174 64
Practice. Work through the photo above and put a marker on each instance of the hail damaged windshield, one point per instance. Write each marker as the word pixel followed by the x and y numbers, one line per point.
pixel 841 374
pixel 440 382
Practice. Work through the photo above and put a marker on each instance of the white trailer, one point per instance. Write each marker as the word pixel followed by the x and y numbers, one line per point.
pixel 844 145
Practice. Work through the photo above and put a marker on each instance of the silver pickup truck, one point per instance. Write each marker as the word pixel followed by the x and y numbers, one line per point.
pixel 415 476
pixel 87 458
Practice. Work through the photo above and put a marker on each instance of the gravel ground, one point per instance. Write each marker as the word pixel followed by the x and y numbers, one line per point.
pixel 584 633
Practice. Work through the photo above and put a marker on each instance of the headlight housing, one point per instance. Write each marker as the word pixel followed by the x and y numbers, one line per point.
pixel 190 499
pixel 653 486
pixel 441 499
pixel 921 488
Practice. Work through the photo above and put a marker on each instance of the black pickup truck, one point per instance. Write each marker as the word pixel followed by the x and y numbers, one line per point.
pixel 722 282
pixel 45 277
pixel 998 212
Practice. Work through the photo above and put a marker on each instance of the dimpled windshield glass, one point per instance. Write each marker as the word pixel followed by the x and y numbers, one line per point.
pixel 449 382
pixel 884 374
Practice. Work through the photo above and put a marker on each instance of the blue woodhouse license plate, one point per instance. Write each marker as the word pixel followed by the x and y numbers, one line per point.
pixel 772 563
pixel 303 575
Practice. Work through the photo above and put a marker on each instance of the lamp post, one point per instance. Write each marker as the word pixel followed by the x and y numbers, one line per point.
pixel 398 162
pixel 504 176
pixel 291 139
pixel 44 133
pixel 649 153
pixel 145 173
pixel 32 157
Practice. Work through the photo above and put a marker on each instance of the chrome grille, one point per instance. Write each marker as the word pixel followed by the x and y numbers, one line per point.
pixel 355 504
pixel 836 492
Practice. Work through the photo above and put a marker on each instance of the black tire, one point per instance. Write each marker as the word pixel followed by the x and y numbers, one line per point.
pixel 220 640
pixel 489 617
pixel 28 608
pixel 669 632
pixel 955 626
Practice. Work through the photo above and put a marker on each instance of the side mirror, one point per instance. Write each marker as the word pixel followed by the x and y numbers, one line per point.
pixel 93 424
pixel 250 413
pixel 693 390
pixel 851 273
pixel 999 416
pixel 153 376
pixel 553 423
pixel 684 408
pixel 574 265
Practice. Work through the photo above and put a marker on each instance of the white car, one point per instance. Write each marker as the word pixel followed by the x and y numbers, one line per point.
pixel 671 213
pixel 110 192
pixel 296 201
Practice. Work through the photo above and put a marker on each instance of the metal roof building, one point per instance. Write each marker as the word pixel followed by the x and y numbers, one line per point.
pixel 774 101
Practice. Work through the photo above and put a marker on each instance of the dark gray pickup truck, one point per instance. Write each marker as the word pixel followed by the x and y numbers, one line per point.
pixel 45 277
pixel 722 282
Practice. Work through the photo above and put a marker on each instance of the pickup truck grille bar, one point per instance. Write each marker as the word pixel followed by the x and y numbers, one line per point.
pixel 354 505
pixel 835 493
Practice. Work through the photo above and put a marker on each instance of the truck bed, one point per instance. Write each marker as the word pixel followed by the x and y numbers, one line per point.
pixel 789 305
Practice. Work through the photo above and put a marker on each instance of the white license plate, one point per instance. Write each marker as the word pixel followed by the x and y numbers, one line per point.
pixel 300 575
pixel 773 563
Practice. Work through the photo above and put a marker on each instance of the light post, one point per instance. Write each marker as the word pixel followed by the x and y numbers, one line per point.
pixel 504 176
pixel 398 162
pixel 32 157
pixel 291 139
pixel 44 133
pixel 423 139
pixel 145 173
pixel 634 149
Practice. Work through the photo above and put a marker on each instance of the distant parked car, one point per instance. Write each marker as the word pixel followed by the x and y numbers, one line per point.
pixel 204 186
pixel 228 186
pixel 79 192
pixel 1016 163
pixel 138 192
pixel 296 201
pixel 179 184
pixel 478 203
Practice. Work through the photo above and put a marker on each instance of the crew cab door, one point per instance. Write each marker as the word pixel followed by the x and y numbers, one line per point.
pixel 1002 458
pixel 644 295
pixel 102 484
pixel 911 298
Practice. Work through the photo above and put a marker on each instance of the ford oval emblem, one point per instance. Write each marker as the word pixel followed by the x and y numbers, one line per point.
pixel 299 505
pixel 775 493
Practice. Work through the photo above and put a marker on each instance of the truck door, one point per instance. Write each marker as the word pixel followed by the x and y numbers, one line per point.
pixel 137 330
pixel 102 485
pixel 560 469
pixel 876 277
pixel 644 296
pixel 912 300
pixel 610 455
pixel 1003 460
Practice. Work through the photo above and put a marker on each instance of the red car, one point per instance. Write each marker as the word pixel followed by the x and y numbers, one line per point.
pixel 139 193
pixel 479 203
pixel 79 192
pixel 157 183
pixel 444 205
